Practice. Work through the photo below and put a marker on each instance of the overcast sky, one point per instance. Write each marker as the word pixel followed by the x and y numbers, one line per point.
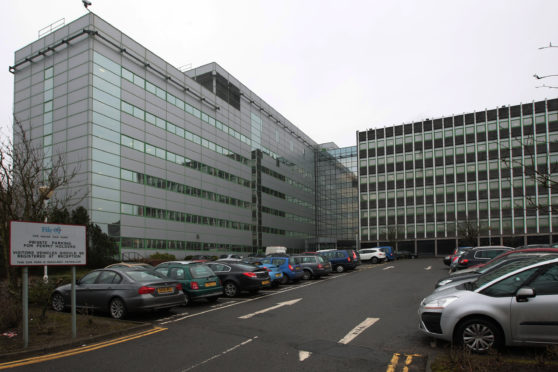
pixel 332 67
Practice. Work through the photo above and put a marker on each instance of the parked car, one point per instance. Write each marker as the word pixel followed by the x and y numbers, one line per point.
pixel 388 250
pixel 198 280
pixel 512 305
pixel 340 259
pixel 120 291
pixel 291 270
pixel 479 255
pixel 472 274
pixel 130 264
pixel 457 251
pixel 238 276
pixel 314 266
pixel 275 273
pixel 230 256
pixel 405 254
pixel 374 255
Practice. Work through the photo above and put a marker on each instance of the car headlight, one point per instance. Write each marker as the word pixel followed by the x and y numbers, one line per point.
pixel 440 303
pixel 444 282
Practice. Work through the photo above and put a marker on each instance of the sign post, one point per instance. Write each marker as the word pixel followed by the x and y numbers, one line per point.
pixel 40 244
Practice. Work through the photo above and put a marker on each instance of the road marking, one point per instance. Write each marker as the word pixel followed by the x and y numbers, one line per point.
pixel 79 350
pixel 241 302
pixel 220 354
pixel 358 330
pixel 280 304
pixel 428 268
pixel 303 355
pixel 389 267
pixel 393 363
pixel 395 360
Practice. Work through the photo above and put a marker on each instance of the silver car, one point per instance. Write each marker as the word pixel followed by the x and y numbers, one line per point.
pixel 512 305
pixel 121 290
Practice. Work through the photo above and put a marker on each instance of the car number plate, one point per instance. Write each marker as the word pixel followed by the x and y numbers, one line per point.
pixel 278 275
pixel 165 290
pixel 265 282
pixel 211 284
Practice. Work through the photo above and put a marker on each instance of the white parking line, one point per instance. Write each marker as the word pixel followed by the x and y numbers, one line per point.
pixel 280 304
pixel 428 268
pixel 389 267
pixel 358 330
pixel 303 355
pixel 220 354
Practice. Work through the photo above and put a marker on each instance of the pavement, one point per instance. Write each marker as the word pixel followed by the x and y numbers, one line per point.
pixel 72 343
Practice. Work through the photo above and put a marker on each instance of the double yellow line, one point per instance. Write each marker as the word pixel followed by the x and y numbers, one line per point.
pixel 79 350
pixel 395 360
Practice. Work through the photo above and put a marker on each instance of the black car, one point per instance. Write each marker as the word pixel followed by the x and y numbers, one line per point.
pixel 119 291
pixel 238 276
pixel 478 255
pixel 314 265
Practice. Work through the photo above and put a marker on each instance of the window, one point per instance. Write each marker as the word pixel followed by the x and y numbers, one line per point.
pixel 547 282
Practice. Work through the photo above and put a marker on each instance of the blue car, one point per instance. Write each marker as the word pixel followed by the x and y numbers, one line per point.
pixel 274 271
pixel 388 250
pixel 291 270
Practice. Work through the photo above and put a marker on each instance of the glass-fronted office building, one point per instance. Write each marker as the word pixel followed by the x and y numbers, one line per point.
pixel 171 161
pixel 421 184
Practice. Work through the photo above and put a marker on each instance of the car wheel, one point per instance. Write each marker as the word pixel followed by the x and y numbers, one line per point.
pixel 479 335
pixel 339 269
pixel 284 279
pixel 213 299
pixel 307 275
pixel 230 289
pixel 374 260
pixel 57 302
pixel 117 308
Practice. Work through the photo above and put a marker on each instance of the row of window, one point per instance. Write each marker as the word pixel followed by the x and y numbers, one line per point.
pixel 161 183
pixel 181 160
pixel 290 216
pixel 180 245
pixel 175 101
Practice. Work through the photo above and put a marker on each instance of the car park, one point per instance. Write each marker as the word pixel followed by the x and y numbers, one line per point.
pixel 230 257
pixel 314 266
pixel 292 272
pixel 198 280
pixel 512 305
pixel 120 291
pixel 340 259
pixel 373 255
pixel 238 276
pixel 479 255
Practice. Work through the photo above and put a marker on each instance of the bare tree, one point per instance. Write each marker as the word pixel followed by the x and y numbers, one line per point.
pixel 468 232
pixel 25 185
pixel 393 236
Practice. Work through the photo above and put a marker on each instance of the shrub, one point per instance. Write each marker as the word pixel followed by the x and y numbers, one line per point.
pixel 162 256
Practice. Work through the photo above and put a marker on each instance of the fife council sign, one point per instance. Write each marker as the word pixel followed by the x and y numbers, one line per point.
pixel 38 244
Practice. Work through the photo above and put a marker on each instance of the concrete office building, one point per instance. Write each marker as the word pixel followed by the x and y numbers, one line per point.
pixel 171 161
pixel 421 183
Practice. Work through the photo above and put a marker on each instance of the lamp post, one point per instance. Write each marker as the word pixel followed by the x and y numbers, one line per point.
pixel 47 194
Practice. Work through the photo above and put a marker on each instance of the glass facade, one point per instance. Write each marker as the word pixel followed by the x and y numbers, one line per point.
pixel 336 197
pixel 420 183
pixel 168 160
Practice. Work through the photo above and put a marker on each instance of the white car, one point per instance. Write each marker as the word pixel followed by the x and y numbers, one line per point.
pixel 373 255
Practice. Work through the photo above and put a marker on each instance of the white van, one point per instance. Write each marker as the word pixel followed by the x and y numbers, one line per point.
pixel 275 249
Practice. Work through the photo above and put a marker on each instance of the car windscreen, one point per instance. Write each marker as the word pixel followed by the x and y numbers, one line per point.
pixel 200 271
pixel 504 270
pixel 144 276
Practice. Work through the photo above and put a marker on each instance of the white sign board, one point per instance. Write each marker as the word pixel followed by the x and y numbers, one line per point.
pixel 38 244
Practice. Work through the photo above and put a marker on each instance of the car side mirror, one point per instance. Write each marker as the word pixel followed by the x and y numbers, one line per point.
pixel 524 293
